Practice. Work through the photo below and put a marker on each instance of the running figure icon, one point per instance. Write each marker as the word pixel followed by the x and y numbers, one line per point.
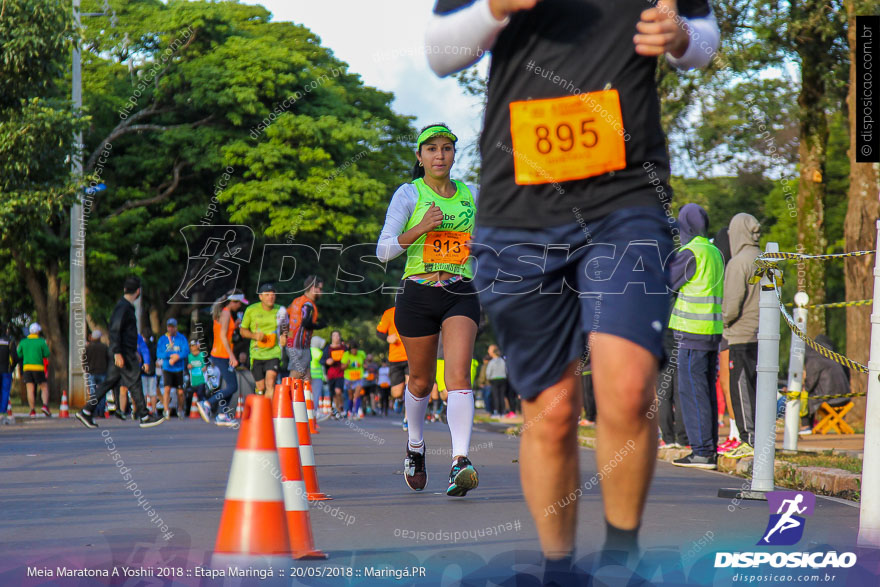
pixel 222 250
pixel 786 521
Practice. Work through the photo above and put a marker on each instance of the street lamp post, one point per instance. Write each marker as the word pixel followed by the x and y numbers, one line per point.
pixel 76 330
pixel 77 309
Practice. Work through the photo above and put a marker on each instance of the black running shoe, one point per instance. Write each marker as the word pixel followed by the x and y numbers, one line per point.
pixel 87 419
pixel 462 478
pixel 121 415
pixel 414 471
pixel 151 420
pixel 697 461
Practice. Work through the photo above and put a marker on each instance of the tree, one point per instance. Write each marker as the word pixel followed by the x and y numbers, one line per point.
pixel 37 125
pixel 861 215
pixel 813 33
pixel 215 115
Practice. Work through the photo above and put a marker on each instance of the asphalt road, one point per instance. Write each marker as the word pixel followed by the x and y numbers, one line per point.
pixel 63 503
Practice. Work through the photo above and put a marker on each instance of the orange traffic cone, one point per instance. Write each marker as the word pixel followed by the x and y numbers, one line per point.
pixel 296 502
pixel 9 407
pixel 310 407
pixel 306 453
pixel 193 410
pixel 253 514
pixel 238 408
pixel 64 412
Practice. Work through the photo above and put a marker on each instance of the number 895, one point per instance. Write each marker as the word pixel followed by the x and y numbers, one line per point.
pixel 564 134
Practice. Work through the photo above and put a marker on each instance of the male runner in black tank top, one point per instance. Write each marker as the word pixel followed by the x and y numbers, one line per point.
pixel 574 155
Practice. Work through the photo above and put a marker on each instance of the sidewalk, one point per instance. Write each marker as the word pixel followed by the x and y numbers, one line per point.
pixel 821 480
pixel 848 444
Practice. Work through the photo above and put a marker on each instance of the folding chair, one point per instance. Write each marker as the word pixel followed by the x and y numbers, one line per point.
pixel 833 419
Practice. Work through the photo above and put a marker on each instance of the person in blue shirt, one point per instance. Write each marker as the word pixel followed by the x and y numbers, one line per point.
pixel 172 350
pixel 144 352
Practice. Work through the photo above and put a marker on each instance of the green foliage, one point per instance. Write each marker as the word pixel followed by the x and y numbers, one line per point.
pixel 33 38
pixel 312 155
pixel 37 125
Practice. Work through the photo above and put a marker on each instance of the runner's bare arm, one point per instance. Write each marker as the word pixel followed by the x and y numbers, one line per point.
pixel 688 42
pixel 432 219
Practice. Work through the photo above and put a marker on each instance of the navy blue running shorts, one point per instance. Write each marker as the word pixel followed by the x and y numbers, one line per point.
pixel 546 289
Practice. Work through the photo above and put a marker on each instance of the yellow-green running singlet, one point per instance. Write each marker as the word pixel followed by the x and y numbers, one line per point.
pixel 445 247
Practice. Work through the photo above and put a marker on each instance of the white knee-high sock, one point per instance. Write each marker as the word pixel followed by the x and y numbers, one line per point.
pixel 460 416
pixel 416 407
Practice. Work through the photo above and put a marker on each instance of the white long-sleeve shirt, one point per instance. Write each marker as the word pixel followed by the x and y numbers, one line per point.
pixel 403 203
pixel 459 39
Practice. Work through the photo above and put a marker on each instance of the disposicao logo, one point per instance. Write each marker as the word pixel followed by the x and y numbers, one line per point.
pixel 786 525
pixel 785 528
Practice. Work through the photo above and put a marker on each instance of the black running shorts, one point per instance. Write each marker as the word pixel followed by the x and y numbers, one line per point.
pixel 260 367
pixel 397 372
pixel 172 379
pixel 421 309
pixel 35 377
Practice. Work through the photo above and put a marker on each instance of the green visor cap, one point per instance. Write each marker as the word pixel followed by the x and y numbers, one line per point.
pixel 434 131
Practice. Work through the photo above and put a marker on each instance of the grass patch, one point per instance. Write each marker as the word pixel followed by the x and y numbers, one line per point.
pixel 587 431
pixel 825 459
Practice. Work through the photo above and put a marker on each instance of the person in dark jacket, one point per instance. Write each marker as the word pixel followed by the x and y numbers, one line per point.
pixel 96 359
pixel 8 360
pixel 822 376
pixel 126 366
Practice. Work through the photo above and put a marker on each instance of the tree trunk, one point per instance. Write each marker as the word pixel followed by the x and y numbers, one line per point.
pixel 45 297
pixel 859 231
pixel 155 321
pixel 811 185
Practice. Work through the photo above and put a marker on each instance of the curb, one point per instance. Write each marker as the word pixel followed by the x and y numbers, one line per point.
pixel 820 480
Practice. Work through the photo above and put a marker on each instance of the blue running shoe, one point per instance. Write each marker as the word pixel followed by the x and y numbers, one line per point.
pixel 462 478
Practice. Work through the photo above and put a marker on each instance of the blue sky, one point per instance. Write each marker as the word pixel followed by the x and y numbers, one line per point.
pixel 383 42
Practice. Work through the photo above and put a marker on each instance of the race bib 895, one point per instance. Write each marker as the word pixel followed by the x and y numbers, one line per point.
pixel 564 139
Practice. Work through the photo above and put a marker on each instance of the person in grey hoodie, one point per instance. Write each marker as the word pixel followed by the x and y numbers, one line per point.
pixel 740 314
pixel 697 275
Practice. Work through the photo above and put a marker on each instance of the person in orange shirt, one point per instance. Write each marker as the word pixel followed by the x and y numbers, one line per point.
pixel 218 407
pixel 303 320
pixel 387 332
pixel 397 362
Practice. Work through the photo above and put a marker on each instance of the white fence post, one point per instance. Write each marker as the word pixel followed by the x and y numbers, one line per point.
pixel 768 377
pixel 869 518
pixel 795 375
